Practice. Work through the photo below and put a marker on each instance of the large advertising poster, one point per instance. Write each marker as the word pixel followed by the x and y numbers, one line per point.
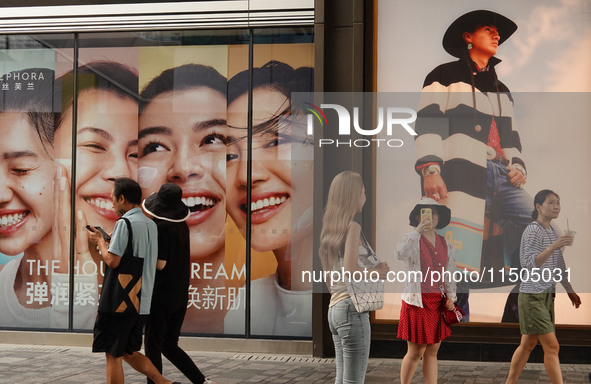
pixel 106 148
pixel 281 186
pixel 491 134
pixel 156 114
pixel 182 139
pixel 34 268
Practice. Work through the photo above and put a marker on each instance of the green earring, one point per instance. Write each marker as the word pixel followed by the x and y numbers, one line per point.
pixel 469 46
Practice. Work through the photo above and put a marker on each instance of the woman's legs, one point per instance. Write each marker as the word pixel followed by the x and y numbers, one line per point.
pixel 411 361
pixel 338 346
pixel 520 357
pixel 351 335
pixel 174 353
pixel 430 363
pixel 551 360
pixel 154 339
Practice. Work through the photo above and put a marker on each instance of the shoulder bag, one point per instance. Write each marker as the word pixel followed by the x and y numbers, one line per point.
pixel 121 291
pixel 366 295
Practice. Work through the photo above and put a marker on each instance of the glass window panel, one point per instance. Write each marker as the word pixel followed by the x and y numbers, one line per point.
pixel 281 180
pixel 34 205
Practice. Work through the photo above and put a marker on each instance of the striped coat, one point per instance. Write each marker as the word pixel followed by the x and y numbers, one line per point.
pixel 453 125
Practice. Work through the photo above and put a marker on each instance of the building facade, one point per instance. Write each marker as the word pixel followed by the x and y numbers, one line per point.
pixel 216 96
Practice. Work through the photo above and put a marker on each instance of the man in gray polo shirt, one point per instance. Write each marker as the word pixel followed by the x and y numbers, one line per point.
pixel 120 335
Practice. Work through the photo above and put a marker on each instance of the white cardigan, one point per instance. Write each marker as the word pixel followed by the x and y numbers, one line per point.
pixel 408 250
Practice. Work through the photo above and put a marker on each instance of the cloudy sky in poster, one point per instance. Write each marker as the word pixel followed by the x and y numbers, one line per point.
pixel 552 42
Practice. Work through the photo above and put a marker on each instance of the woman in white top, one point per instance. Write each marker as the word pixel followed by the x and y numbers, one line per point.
pixel 423 251
pixel 350 330
pixel 540 254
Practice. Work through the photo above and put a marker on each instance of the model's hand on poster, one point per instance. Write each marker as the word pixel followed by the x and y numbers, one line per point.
pixel 61 218
pixel 61 232
pixel 82 252
pixel 515 177
pixel 434 187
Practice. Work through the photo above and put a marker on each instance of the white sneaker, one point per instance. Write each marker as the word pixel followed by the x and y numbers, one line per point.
pixel 208 381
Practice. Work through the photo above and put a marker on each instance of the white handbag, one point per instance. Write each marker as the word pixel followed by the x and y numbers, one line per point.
pixel 366 294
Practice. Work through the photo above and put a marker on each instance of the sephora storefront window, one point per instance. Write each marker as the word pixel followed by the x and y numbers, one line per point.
pixel 155 106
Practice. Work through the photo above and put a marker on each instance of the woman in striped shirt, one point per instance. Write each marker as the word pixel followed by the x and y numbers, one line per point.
pixel 543 266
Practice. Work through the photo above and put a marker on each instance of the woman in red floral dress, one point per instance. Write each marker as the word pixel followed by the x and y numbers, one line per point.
pixel 421 323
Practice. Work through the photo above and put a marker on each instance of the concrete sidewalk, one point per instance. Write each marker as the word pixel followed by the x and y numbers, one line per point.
pixel 68 365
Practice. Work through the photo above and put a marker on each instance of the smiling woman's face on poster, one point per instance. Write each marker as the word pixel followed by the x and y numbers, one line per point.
pixel 26 185
pixel 106 149
pixel 277 216
pixel 281 200
pixel 182 139
pixel 26 163
pixel 106 135
pixel 271 171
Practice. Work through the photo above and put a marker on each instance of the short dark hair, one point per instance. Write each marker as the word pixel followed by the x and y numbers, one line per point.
pixel 181 78
pixel 539 199
pixel 129 189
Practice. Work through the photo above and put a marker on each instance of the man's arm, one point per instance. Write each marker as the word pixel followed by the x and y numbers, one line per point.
pixel 432 126
pixel 112 260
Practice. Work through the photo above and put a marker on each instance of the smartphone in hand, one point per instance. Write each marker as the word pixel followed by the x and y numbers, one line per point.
pixel 101 231
pixel 426 213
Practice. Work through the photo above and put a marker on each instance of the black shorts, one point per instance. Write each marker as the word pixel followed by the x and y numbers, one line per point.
pixel 118 334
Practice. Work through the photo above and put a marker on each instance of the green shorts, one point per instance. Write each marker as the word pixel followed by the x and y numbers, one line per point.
pixel 536 312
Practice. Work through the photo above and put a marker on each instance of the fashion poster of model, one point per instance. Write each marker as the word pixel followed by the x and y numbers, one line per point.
pixel 501 111
pixel 29 234
pixel 281 186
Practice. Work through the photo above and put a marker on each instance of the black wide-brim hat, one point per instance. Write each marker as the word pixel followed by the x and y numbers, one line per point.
pixel 167 204
pixel 443 212
pixel 454 44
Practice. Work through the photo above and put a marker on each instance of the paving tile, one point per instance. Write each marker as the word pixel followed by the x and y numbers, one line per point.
pixel 71 365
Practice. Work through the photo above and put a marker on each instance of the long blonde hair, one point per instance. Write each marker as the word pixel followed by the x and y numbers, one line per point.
pixel 341 207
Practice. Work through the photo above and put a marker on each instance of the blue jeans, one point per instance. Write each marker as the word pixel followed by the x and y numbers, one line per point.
pixel 503 200
pixel 351 334
pixel 509 208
